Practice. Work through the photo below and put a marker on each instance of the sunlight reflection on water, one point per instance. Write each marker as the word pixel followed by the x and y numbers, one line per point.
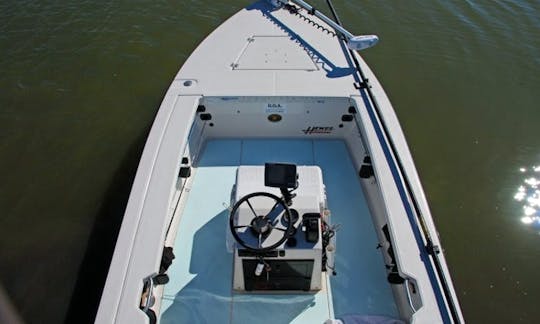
pixel 528 194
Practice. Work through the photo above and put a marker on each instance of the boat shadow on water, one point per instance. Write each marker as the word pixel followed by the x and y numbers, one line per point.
pixel 208 297
pixel 102 238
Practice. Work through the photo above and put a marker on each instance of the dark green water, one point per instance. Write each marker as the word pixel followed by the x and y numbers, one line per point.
pixel 80 83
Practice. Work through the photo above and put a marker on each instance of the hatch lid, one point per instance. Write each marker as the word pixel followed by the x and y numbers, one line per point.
pixel 273 53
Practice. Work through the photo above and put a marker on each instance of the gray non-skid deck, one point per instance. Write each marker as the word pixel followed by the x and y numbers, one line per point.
pixel 200 287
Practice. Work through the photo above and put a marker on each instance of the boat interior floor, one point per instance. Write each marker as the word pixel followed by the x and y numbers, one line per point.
pixel 200 286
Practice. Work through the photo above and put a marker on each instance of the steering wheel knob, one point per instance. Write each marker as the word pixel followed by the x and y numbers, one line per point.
pixel 261 225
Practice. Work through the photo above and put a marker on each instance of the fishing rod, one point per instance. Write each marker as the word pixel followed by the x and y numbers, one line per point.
pixel 432 250
pixel 356 43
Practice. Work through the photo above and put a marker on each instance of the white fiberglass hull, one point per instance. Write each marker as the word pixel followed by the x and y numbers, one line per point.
pixel 265 81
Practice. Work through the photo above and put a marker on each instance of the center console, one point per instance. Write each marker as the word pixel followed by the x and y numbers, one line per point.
pixel 278 225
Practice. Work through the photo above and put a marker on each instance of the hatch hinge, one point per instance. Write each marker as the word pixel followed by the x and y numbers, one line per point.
pixel 362 85
pixel 185 170
pixel 205 116
pixel 347 118
pixel 432 249
pixel 366 170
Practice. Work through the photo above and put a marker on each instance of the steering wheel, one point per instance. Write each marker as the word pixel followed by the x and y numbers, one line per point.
pixel 262 225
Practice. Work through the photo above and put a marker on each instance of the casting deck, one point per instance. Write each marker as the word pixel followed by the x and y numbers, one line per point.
pixel 200 287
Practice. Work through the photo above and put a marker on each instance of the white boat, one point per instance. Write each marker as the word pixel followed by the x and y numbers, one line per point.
pixel 277 176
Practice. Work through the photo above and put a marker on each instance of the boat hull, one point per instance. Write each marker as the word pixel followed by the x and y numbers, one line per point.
pixel 268 74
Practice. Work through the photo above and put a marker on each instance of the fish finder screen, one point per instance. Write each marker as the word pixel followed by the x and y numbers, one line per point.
pixel 280 175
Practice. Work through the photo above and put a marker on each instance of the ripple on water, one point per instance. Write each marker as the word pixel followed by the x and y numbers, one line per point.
pixel 528 195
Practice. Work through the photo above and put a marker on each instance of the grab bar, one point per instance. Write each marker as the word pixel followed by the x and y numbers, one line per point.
pixel 409 298
pixel 148 282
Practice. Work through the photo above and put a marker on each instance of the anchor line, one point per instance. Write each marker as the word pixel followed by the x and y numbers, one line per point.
pixel 431 249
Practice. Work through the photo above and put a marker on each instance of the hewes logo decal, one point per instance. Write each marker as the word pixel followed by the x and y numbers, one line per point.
pixel 317 130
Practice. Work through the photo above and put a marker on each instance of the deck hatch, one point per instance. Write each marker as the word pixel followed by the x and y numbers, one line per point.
pixel 273 53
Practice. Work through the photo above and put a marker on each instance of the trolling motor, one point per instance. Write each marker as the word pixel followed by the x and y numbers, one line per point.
pixel 355 43
pixel 279 238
